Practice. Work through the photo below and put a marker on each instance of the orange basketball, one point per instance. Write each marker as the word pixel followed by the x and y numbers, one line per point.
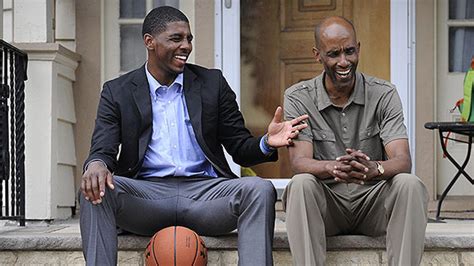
pixel 176 245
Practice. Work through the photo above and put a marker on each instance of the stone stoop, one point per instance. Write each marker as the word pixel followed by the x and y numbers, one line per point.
pixel 445 244
pixel 229 257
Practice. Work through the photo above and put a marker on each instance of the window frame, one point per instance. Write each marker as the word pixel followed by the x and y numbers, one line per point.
pixel 110 47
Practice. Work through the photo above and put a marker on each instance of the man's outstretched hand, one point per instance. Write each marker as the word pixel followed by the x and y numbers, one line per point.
pixel 281 133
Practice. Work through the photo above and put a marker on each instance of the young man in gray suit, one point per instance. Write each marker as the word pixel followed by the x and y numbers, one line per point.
pixel 169 120
pixel 352 162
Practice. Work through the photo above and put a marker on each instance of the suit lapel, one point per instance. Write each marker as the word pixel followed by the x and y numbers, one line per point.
pixel 192 95
pixel 141 97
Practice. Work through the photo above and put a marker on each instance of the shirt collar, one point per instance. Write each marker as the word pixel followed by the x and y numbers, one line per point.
pixel 154 84
pixel 323 97
pixel 359 90
pixel 357 95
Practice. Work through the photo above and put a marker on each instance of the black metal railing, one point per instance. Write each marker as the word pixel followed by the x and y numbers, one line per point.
pixel 12 132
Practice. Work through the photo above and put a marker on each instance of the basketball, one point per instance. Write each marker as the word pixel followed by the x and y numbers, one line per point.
pixel 176 245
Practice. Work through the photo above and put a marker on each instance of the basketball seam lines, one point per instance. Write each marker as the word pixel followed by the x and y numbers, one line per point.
pixel 175 229
pixel 153 249
pixel 196 254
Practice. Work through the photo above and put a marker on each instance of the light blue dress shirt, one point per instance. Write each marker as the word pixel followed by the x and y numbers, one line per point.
pixel 173 149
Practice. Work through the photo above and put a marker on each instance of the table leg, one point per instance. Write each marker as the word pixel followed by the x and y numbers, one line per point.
pixel 460 171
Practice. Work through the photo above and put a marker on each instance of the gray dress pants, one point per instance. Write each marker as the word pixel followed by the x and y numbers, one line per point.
pixel 209 206
pixel 396 208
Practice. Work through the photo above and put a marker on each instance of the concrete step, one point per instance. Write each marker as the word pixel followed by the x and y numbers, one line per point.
pixel 59 243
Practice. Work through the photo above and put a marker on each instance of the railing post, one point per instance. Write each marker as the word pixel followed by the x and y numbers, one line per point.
pixel 4 148
pixel 20 77
pixel 14 209
pixel 12 136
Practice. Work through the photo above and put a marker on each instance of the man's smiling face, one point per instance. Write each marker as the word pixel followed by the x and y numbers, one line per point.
pixel 169 50
pixel 338 51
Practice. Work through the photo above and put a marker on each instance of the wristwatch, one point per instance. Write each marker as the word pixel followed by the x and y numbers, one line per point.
pixel 380 168
pixel 267 145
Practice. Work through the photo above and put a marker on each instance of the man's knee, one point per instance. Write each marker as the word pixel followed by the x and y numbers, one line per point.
pixel 302 187
pixel 409 183
pixel 303 182
pixel 81 198
pixel 109 194
pixel 260 187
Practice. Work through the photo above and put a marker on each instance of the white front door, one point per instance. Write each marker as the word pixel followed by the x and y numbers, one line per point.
pixel 455 23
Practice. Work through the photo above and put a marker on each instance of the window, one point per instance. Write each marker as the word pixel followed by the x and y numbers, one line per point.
pixel 461 34
pixel 123 46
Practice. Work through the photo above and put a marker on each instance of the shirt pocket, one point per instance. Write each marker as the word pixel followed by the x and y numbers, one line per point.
pixel 370 142
pixel 324 144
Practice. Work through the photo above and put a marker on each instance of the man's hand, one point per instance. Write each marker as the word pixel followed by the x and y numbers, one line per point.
pixel 281 133
pixel 363 169
pixel 343 171
pixel 94 180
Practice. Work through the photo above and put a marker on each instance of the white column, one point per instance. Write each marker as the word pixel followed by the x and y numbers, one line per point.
pixel 33 21
pixel 50 155
pixel 65 28
pixel 50 158
pixel 7 21
pixel 1 19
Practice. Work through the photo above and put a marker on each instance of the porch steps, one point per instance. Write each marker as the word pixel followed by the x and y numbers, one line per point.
pixel 59 243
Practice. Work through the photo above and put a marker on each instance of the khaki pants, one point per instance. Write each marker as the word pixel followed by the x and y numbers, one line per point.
pixel 316 209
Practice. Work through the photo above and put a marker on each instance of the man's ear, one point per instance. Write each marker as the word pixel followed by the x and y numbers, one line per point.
pixel 317 54
pixel 148 41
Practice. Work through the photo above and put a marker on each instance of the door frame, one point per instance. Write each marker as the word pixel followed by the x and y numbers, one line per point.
pixel 402 55
pixel 227 50
pixel 402 62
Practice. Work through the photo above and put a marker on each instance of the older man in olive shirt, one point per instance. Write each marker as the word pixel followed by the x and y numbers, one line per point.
pixel 352 163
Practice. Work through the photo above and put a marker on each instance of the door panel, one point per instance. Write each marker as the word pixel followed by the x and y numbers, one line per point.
pixel 277 38
pixel 304 14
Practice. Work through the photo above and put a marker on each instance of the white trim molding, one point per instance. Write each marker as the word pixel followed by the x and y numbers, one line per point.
pixel 402 61
pixel 227 50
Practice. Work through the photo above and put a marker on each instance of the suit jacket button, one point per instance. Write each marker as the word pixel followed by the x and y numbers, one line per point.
pixel 129 169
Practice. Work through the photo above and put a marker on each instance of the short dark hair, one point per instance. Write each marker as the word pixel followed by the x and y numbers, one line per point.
pixel 158 18
pixel 317 28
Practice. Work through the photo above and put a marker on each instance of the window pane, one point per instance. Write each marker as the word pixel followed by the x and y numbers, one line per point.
pixel 461 48
pixel 132 49
pixel 461 9
pixel 173 3
pixel 132 8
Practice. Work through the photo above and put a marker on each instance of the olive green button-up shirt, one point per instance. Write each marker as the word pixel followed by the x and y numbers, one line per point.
pixel 372 117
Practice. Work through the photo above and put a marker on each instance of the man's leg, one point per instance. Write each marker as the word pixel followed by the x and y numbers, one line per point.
pixel 399 207
pixel 407 206
pixel 313 210
pixel 213 206
pixel 140 207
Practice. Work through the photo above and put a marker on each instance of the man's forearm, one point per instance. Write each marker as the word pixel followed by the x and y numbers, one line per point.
pixel 394 166
pixel 311 166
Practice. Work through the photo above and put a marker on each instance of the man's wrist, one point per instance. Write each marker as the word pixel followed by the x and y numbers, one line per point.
pixel 379 168
pixel 94 161
pixel 265 147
